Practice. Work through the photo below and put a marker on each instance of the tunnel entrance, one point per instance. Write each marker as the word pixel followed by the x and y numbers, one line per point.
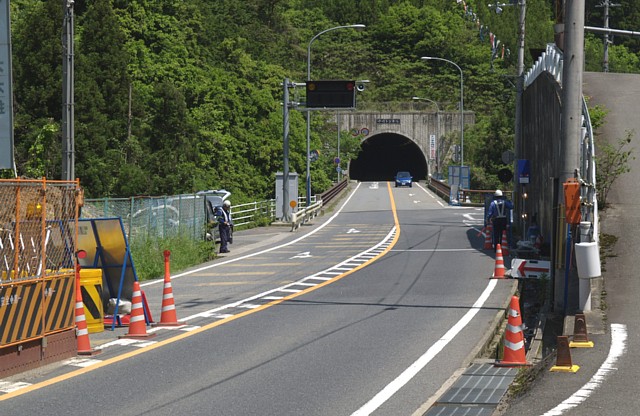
pixel 381 156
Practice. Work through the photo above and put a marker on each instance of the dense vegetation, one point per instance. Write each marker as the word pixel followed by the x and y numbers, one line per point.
pixel 176 96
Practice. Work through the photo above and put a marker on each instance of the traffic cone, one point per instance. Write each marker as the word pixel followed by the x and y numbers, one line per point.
pixel 514 354
pixel 137 323
pixel 82 332
pixel 563 357
pixel 580 337
pixel 498 272
pixel 168 316
pixel 488 236
pixel 504 244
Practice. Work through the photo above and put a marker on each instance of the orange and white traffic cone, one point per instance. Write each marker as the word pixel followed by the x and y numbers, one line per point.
pixel 488 237
pixel 514 354
pixel 168 316
pixel 82 331
pixel 504 244
pixel 137 322
pixel 498 272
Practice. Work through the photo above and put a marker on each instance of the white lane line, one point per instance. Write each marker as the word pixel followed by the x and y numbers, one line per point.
pixel 431 195
pixel 406 376
pixel 439 250
pixel 617 349
pixel 310 233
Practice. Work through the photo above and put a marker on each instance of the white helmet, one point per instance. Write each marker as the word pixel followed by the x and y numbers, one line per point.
pixel 498 193
pixel 227 203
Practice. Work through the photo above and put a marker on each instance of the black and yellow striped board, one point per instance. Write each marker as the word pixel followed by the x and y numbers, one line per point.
pixel 59 303
pixel 32 309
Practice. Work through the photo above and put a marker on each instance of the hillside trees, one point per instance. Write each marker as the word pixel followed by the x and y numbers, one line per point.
pixel 178 96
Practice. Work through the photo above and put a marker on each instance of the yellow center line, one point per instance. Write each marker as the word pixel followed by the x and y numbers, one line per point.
pixel 207 327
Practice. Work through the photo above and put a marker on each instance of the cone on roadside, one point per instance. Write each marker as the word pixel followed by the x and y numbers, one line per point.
pixel 137 322
pixel 563 357
pixel 504 244
pixel 488 232
pixel 168 316
pixel 514 354
pixel 498 271
pixel 580 337
pixel 82 331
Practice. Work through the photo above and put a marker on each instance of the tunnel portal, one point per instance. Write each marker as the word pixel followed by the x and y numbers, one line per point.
pixel 383 155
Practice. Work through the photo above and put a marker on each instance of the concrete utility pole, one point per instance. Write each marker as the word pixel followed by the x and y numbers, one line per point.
pixel 285 166
pixel 68 151
pixel 606 4
pixel 572 72
pixel 517 142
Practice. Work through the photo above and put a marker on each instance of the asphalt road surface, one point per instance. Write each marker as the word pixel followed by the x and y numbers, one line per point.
pixel 370 310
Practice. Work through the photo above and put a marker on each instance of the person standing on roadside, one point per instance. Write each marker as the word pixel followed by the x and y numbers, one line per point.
pixel 499 216
pixel 225 226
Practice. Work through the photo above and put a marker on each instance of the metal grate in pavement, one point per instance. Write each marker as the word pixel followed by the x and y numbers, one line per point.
pixel 476 393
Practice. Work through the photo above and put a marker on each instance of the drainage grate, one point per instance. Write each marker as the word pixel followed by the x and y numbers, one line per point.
pixel 476 393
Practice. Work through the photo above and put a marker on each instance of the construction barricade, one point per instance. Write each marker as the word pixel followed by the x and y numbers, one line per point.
pixel 38 227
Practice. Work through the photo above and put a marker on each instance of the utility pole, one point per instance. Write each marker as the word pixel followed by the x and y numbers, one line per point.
pixel 285 168
pixel 606 4
pixel 522 5
pixel 572 73
pixel 68 151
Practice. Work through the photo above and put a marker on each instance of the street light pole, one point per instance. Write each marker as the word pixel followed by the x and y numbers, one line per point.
pixel 437 129
pixel 428 58
pixel 308 180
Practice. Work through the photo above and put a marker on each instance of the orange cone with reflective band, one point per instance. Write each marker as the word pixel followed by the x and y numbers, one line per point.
pixel 505 244
pixel 488 232
pixel 498 272
pixel 137 322
pixel 514 353
pixel 82 331
pixel 168 316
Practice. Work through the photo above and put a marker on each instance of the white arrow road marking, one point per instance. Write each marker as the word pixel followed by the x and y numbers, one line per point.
pixel 352 230
pixel 374 185
pixel 305 255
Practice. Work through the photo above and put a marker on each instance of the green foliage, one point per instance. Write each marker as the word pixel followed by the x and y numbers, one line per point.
pixel 611 162
pixel 185 252
pixel 175 97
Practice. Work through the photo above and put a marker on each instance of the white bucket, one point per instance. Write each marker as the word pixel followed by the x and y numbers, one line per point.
pixel 588 260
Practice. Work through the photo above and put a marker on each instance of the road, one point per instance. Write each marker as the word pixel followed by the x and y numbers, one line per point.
pixel 367 311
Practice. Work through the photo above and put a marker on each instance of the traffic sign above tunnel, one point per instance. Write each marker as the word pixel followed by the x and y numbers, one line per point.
pixel 331 94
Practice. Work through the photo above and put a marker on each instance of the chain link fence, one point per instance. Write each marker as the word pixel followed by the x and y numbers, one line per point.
pixel 166 216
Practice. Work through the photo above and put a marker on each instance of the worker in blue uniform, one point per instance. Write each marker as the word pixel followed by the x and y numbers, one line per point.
pixel 225 226
pixel 499 216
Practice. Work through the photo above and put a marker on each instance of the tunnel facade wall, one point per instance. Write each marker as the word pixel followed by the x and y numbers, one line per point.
pixel 417 126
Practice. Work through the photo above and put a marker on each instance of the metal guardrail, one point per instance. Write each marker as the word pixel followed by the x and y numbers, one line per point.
pixel 302 216
pixel 332 192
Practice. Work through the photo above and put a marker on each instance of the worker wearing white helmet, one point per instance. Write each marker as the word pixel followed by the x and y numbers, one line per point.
pixel 225 226
pixel 499 215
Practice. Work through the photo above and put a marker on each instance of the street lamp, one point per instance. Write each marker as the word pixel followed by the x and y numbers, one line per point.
pixel 428 58
pixel 358 26
pixel 437 128
pixel 517 142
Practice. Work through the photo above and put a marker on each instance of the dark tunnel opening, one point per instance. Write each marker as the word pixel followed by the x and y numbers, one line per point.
pixel 383 155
